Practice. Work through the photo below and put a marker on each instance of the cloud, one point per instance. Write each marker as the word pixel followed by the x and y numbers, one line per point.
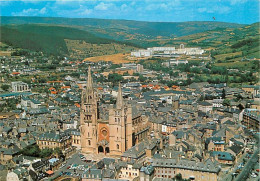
pixel 86 12
pixel 165 5
pixel 234 2
pixel 5 3
pixel 77 10
pixel 123 7
pixel 202 10
pixel 43 10
pixel 103 6
pixel 215 9
pixel 31 12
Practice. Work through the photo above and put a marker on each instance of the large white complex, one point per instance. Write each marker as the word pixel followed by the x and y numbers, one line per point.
pixel 167 51
pixel 161 49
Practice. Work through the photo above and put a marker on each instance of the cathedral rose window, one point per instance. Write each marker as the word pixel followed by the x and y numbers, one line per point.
pixel 104 132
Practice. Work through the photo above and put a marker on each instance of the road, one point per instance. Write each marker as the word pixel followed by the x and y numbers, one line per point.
pixel 229 176
pixel 244 174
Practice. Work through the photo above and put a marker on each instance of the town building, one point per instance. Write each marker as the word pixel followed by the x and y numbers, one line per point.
pixel 251 119
pixel 54 140
pixel 169 168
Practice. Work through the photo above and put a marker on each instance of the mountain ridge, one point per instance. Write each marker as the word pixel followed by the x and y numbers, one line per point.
pixel 125 29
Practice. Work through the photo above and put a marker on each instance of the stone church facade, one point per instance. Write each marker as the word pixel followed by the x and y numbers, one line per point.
pixel 114 136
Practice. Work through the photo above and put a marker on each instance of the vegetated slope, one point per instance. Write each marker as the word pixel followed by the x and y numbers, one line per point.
pixel 217 38
pixel 126 29
pixel 33 41
pixel 47 38
pixel 81 49
pixel 244 40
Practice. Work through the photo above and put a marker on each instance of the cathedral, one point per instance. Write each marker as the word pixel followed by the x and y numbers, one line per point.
pixel 112 136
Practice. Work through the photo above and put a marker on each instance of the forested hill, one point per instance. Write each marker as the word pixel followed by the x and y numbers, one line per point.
pixel 47 38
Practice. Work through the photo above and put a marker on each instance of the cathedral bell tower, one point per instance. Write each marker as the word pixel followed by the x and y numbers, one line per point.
pixel 88 117
pixel 120 125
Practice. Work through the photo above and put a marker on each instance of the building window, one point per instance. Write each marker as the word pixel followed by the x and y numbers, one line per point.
pixel 117 146
pixel 89 142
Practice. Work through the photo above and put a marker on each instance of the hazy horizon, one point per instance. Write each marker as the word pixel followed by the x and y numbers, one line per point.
pixel 231 11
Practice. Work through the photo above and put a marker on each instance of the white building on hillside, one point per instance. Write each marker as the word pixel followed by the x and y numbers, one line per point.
pixel 20 86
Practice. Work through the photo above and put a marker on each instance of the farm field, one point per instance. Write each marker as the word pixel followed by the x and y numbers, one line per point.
pixel 115 58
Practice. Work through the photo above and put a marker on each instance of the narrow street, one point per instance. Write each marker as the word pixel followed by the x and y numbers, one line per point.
pixel 244 174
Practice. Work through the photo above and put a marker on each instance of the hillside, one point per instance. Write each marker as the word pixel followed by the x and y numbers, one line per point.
pixel 86 37
pixel 209 39
pixel 223 40
pixel 51 39
pixel 126 29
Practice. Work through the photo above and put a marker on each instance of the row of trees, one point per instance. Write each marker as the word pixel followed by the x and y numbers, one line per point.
pixel 35 151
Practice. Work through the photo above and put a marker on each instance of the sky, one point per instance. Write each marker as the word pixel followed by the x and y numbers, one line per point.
pixel 236 11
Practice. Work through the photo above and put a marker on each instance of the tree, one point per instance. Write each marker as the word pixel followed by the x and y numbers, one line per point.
pixel 241 107
pixel 26 81
pixel 58 152
pixel 46 152
pixel 239 97
pixel 226 78
pixel 178 177
pixel 5 87
pixel 31 150
pixel 142 78
pixel 223 94
pixel 202 98
pixel 226 102
pixel 125 73
pixel 112 101
pixel 115 78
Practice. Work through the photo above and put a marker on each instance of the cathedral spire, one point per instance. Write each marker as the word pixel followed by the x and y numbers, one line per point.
pixel 119 100
pixel 90 82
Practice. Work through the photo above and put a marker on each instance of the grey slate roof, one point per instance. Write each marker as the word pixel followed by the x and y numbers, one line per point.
pixel 59 137
pixel 148 170
pixel 186 164
pixel 93 173
pixel 223 155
